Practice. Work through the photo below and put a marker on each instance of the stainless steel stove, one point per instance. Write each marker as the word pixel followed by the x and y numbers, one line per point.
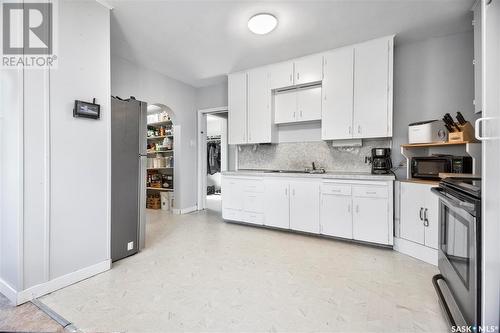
pixel 459 284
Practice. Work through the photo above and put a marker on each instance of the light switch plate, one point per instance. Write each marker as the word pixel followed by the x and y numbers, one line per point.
pixel 130 246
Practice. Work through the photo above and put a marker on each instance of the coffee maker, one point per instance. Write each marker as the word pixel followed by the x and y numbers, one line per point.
pixel 381 161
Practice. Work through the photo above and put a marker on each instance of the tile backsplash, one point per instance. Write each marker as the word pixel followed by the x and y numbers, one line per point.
pixel 299 155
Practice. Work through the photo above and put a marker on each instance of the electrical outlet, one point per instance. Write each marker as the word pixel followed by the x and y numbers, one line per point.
pixel 130 246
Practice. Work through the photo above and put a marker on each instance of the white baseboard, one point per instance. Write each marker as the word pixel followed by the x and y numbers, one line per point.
pixel 185 210
pixel 8 291
pixel 418 251
pixel 61 282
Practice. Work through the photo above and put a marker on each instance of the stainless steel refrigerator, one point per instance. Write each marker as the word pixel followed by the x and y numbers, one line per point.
pixel 128 176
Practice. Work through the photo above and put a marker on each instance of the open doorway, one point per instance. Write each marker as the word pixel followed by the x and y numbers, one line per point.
pixel 212 157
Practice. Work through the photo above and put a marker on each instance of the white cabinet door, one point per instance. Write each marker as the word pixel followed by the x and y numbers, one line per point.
pixel 412 212
pixel 370 220
pixel 232 193
pixel 304 206
pixel 371 89
pixel 237 108
pixel 259 106
pixel 431 217
pixel 309 69
pixel 281 74
pixel 309 104
pixel 277 203
pixel 336 215
pixel 285 106
pixel 337 102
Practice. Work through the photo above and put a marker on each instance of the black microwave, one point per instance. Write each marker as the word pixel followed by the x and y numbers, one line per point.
pixel 430 167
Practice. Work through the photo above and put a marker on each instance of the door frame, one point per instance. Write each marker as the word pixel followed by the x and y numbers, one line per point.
pixel 202 151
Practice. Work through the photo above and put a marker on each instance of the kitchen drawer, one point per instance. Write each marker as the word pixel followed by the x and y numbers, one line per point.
pixel 232 214
pixel 253 202
pixel 254 218
pixel 370 191
pixel 333 188
pixel 254 186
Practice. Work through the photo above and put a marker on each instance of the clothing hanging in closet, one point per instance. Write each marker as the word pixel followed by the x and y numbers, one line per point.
pixel 213 157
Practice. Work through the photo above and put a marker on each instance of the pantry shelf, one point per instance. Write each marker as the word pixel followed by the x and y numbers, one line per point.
pixel 160 137
pixel 165 168
pixel 160 123
pixel 160 189
pixel 160 151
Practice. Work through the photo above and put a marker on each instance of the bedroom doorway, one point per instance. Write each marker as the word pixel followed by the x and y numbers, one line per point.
pixel 212 157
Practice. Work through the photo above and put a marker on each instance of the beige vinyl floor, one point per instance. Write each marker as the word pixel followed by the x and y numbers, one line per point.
pixel 201 274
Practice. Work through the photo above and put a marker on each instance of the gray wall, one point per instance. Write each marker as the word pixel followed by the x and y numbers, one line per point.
pixel 212 96
pixel 431 77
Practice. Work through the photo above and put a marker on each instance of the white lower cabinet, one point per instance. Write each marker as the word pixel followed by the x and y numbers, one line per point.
pixel 419 214
pixel 336 215
pixel 359 210
pixel 304 206
pixel 277 203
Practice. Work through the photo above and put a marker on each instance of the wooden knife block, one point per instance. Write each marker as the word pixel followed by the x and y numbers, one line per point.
pixel 466 134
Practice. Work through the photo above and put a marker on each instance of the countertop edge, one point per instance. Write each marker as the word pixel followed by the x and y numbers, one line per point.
pixel 332 175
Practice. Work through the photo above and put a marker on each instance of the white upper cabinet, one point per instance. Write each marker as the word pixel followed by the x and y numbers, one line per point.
pixel 285 106
pixel 309 104
pixel 372 86
pixel 237 107
pixel 309 69
pixel 260 120
pixel 281 74
pixel 338 92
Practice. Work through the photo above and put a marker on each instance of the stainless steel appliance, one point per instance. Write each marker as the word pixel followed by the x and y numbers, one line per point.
pixel 381 160
pixel 128 176
pixel 429 167
pixel 459 255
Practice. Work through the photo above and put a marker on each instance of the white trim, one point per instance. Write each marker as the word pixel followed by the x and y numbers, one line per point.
pixel 418 251
pixel 105 4
pixel 62 281
pixel 185 210
pixel 8 291
pixel 201 144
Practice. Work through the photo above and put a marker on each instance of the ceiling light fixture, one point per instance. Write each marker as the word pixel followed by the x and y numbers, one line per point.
pixel 262 23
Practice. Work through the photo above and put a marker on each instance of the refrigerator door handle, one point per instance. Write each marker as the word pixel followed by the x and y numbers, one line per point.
pixel 142 201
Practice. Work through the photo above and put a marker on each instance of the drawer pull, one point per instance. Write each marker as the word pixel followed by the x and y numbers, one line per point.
pixel 372 192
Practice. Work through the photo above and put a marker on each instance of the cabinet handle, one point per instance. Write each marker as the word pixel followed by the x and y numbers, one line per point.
pixel 286 192
pixel 357 208
pixel 350 130
pixel 359 129
pixel 298 76
pixel 426 221
pixel 301 114
pixel 294 115
pixel 349 208
pixel 420 214
pixel 293 192
pixel 291 78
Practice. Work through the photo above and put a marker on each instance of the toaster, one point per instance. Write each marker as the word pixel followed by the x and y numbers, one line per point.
pixel 427 132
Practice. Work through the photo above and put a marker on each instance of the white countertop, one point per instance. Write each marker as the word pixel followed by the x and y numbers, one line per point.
pixel 327 175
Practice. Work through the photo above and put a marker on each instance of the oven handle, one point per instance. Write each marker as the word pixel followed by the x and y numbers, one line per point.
pixel 468 207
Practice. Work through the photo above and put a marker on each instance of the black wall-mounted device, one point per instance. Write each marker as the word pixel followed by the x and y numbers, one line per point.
pixel 87 110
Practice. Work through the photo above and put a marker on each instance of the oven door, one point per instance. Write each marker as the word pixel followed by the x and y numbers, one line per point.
pixel 458 253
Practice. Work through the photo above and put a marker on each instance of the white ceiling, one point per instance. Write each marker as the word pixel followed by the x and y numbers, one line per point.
pixel 199 42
